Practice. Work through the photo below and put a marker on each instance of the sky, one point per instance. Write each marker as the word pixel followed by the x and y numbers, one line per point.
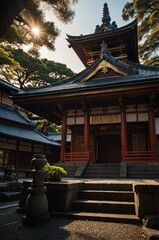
pixel 88 14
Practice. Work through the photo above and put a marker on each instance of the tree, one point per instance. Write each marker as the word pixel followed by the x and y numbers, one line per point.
pixel 31 27
pixel 147 14
pixel 22 70
pixel 46 126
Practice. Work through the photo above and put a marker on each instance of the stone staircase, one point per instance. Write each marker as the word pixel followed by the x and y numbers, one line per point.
pixel 102 170
pixel 113 202
pixel 113 170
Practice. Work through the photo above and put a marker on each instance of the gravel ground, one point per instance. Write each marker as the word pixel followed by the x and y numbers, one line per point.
pixel 11 228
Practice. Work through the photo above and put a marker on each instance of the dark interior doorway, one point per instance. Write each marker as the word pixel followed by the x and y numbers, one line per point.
pixel 109 149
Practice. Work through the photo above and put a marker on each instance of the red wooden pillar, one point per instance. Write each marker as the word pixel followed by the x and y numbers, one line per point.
pixel 152 132
pixel 17 157
pixel 63 137
pixel 123 131
pixel 86 131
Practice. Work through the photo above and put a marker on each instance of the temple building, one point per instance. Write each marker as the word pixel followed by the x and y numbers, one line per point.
pixel 111 107
pixel 19 140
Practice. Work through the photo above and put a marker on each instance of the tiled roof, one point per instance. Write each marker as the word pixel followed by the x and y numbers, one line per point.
pixel 94 35
pixel 27 134
pixel 11 113
pixel 143 74
pixel 8 86
pixel 14 124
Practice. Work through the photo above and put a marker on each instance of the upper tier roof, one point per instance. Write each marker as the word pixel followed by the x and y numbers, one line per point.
pixel 121 42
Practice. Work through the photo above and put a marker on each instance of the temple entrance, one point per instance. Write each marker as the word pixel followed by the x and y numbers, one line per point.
pixel 109 149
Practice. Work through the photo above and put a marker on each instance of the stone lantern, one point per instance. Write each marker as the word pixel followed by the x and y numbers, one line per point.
pixel 36 208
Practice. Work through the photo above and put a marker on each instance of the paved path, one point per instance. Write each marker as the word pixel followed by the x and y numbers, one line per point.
pixel 11 228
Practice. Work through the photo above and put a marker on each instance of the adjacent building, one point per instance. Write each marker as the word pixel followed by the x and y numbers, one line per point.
pixel 19 140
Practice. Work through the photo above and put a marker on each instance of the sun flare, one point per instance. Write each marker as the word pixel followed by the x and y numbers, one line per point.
pixel 36 31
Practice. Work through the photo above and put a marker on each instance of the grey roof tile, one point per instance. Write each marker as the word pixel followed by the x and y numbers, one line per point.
pixel 11 113
pixel 144 74
pixel 25 134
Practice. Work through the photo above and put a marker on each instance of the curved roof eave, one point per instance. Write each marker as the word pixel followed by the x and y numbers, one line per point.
pixel 94 35
pixel 12 114
pixel 78 88
pixel 31 135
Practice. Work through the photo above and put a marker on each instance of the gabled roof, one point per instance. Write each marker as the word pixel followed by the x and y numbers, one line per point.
pixel 123 73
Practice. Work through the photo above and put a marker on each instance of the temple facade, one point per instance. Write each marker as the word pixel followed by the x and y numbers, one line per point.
pixel 111 107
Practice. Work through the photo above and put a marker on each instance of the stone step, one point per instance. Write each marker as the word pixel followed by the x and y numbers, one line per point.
pixel 123 196
pixel 102 170
pixel 106 176
pixel 104 217
pixel 99 167
pixel 9 196
pixel 104 206
pixel 104 164
pixel 106 170
pixel 112 170
pixel 9 204
pixel 143 176
pixel 116 186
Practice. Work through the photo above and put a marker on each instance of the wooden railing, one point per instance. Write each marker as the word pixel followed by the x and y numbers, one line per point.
pixel 77 157
pixel 141 156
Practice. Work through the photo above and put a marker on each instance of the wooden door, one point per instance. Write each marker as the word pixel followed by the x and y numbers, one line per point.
pixel 109 149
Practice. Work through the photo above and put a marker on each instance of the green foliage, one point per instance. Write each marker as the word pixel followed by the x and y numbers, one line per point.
pixel 33 15
pixel 54 173
pixel 5 57
pixel 22 69
pixel 147 14
pixel 46 126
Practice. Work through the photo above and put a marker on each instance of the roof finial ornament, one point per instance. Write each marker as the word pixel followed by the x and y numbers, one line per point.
pixel 104 51
pixel 106 17
pixel 106 24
